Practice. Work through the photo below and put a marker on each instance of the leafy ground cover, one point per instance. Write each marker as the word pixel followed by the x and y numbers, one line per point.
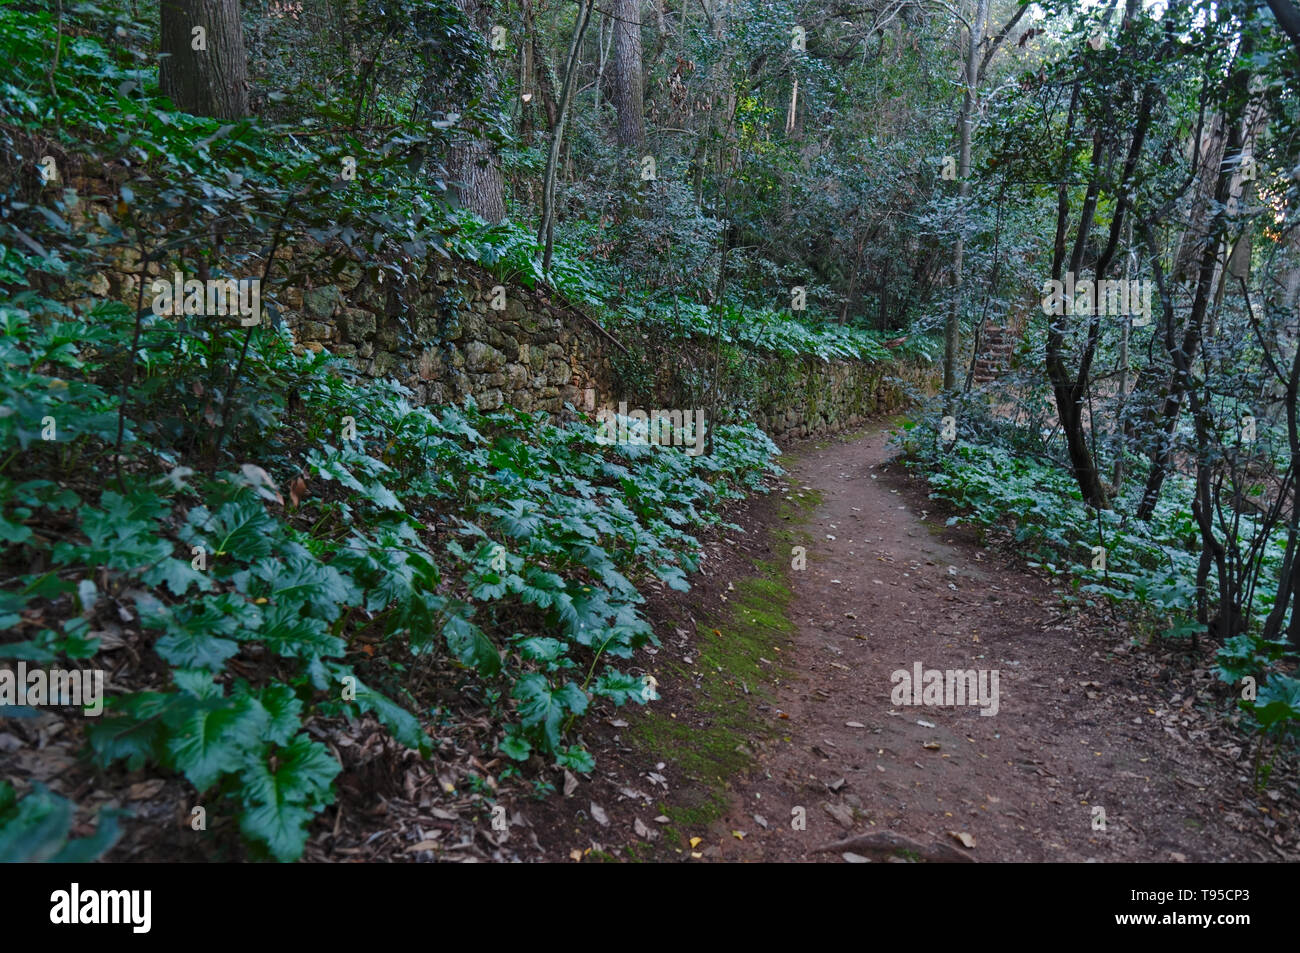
pixel 279 540
pixel 1145 568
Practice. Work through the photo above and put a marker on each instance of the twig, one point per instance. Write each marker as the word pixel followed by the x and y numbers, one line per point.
pixel 248 335
pixel 573 305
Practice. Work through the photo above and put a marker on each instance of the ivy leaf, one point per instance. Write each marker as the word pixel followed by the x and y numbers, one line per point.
pixel 36 829
pixel 331 467
pixel 619 687
pixel 303 580
pixel 283 713
pixel 195 649
pixel 381 496
pixel 518 518
pixel 136 730
pixel 196 682
pixel 576 758
pixel 1278 701
pixel 404 726
pixel 14 533
pixel 279 804
pixel 241 529
pixel 288 633
pixel 468 643
pixel 491 585
pixel 541 649
pixel 544 707
pixel 214 737
pixel 675 578
pixel 178 576
pixel 195 632
pixel 515 745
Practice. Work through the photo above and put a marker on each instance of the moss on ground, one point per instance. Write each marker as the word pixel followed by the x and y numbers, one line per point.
pixel 736 664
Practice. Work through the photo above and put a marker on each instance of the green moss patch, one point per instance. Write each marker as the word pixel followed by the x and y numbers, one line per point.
pixel 736 664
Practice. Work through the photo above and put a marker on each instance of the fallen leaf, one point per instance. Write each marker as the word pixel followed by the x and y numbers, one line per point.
pixel 852 858
pixel 842 814
pixel 966 839
pixel 854 724
pixel 256 476
pixel 423 845
pixel 598 815
pixel 696 841
pixel 570 783
pixel 925 724
pixel 144 789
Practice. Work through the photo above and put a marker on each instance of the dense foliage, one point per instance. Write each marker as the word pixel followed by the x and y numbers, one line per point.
pixel 433 533
pixel 293 542
pixel 289 545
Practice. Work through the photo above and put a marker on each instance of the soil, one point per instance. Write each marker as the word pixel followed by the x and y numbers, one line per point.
pixel 1105 746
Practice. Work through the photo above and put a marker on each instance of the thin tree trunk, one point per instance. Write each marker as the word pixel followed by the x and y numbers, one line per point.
pixel 1184 353
pixel 952 327
pixel 1068 389
pixel 1117 474
pixel 546 231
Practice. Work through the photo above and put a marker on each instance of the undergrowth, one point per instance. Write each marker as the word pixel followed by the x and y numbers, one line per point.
pixel 278 540
pixel 1148 568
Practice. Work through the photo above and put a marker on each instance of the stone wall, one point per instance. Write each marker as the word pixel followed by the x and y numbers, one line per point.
pixel 452 330
pixel 819 397
pixel 442 337
pixel 434 327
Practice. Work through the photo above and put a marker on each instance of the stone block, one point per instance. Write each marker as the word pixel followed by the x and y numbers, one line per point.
pixel 321 302
pixel 356 324
pixel 314 331
pixel 482 357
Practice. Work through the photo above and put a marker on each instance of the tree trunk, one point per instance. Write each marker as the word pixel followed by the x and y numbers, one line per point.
pixel 952 327
pixel 628 92
pixel 543 74
pixel 1121 388
pixel 1288 18
pixel 472 165
pixel 546 231
pixel 204 68
pixel 1183 353
pixel 1069 389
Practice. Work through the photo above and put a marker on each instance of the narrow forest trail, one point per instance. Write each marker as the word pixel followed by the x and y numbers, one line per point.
pixel 1084 721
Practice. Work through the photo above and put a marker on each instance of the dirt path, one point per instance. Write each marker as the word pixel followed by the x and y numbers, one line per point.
pixel 1082 725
